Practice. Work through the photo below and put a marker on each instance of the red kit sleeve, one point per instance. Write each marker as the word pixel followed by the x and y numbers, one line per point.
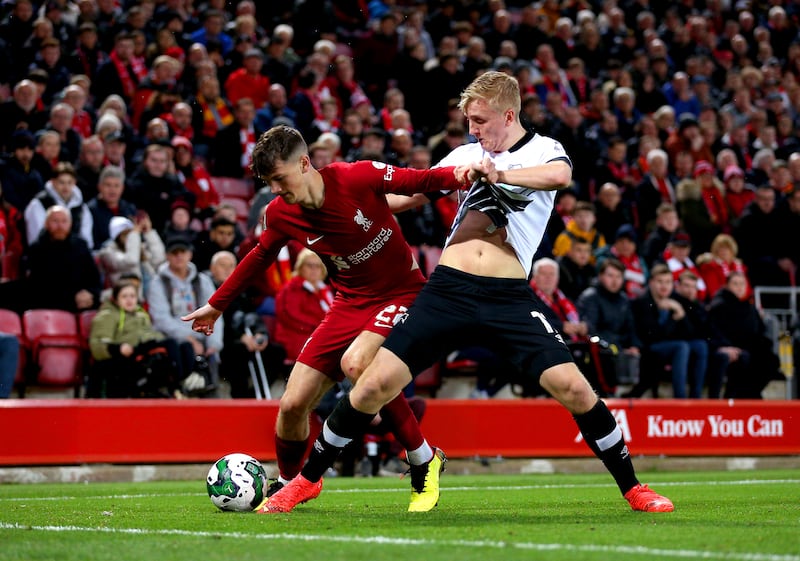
pixel 256 261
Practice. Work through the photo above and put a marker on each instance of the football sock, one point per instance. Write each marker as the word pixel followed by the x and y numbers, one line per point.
pixel 421 455
pixel 291 454
pixel 604 437
pixel 343 425
pixel 404 425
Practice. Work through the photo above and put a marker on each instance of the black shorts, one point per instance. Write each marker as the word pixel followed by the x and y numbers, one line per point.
pixel 457 309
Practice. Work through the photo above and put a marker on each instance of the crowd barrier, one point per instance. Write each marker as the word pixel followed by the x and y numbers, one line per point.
pixel 66 432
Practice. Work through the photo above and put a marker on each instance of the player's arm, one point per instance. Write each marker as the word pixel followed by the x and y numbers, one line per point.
pixel 550 169
pixel 399 203
pixel 550 176
pixel 464 176
pixel 257 260
pixel 407 181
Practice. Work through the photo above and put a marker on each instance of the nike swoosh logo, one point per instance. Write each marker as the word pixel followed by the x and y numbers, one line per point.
pixel 309 241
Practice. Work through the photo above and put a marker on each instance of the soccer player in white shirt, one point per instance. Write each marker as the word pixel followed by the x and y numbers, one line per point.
pixel 480 288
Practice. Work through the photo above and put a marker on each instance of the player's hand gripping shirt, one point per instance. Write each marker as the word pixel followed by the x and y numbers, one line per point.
pixel 522 211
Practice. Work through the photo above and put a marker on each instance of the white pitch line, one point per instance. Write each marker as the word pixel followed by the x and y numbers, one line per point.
pixel 444 488
pixel 386 540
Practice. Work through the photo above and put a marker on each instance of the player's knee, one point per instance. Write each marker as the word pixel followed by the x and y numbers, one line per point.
pixel 566 383
pixel 353 365
pixel 372 390
pixel 291 408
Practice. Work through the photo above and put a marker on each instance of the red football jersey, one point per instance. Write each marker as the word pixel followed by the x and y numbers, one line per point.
pixel 354 232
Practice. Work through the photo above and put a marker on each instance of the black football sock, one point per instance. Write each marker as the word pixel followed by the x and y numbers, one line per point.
pixel 344 424
pixel 604 437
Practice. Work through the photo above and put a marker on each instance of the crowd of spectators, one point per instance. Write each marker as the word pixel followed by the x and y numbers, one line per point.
pixel 680 118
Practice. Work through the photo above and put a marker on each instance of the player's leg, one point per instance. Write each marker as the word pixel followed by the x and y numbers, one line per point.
pixel 385 377
pixel 345 424
pixel 305 388
pixel 398 414
pixel 601 433
pixel 419 334
pixel 316 370
pixel 540 350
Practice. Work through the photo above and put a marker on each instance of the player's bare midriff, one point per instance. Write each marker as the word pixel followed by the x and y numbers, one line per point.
pixel 475 250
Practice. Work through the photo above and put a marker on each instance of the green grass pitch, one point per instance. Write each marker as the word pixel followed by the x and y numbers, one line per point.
pixel 741 516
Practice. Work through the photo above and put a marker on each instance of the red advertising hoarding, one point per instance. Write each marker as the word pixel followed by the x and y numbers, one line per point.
pixel 58 432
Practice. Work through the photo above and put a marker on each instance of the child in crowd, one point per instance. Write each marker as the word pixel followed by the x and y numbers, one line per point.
pixel 581 226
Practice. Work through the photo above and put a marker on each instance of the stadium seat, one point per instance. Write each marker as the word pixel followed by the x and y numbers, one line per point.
pixel 10 323
pixel 84 331
pixel 56 349
pixel 429 381
pixel 233 187
pixel 85 326
pixel 241 206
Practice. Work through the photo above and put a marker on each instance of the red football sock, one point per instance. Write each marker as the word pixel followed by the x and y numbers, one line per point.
pixel 403 423
pixel 291 456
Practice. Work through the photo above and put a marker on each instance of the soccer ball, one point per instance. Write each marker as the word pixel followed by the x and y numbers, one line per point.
pixel 236 482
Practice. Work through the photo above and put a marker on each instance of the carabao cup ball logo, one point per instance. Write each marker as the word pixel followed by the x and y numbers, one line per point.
pixel 236 482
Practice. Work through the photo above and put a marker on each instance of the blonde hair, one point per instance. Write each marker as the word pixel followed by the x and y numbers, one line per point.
pixel 498 89
pixel 724 240
pixel 304 256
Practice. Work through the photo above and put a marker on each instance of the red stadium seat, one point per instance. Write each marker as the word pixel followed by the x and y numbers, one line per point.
pixel 241 206
pixel 85 326
pixel 55 347
pixel 84 330
pixel 10 323
pixel 233 187
pixel 429 381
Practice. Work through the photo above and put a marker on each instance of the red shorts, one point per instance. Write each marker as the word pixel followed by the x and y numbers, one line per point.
pixel 346 319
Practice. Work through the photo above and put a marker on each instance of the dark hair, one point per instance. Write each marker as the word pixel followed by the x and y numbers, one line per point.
pixel 658 270
pixel 734 274
pixel 306 78
pixel 278 144
pixel 123 36
pixel 119 285
pixel 611 262
pixel 221 221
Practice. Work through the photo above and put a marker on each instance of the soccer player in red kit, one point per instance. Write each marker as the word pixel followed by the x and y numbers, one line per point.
pixel 480 286
pixel 339 211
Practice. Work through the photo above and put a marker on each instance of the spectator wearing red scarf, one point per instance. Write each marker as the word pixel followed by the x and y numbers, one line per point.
pixel 677 259
pixel 179 120
pixel 624 249
pixel 715 267
pixel 561 312
pixel 737 194
pixel 194 177
pixel 713 194
pixel 122 73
